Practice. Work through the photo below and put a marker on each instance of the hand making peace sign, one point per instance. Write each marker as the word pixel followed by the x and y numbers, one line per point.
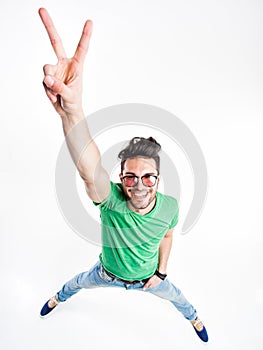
pixel 63 81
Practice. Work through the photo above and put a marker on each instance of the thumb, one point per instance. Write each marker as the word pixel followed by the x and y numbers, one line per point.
pixel 57 86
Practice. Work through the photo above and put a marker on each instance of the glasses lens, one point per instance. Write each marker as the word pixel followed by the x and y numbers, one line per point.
pixel 149 180
pixel 130 181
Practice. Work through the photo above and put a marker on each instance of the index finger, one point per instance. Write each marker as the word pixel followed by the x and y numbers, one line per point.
pixel 52 33
pixel 147 284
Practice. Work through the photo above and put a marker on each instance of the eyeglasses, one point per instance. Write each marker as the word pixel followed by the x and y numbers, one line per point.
pixel 148 180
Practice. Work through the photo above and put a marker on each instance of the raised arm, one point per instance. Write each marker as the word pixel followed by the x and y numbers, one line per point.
pixel 63 86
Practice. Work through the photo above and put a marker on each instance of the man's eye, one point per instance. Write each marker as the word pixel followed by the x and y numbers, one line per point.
pixel 147 176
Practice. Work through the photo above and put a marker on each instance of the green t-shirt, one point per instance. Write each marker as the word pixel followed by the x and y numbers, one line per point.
pixel 130 241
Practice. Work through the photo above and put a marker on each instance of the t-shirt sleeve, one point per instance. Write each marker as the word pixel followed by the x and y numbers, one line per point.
pixel 114 195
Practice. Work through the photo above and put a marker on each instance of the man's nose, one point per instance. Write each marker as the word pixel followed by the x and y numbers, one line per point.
pixel 140 185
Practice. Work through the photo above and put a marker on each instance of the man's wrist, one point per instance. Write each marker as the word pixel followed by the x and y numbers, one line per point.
pixel 75 115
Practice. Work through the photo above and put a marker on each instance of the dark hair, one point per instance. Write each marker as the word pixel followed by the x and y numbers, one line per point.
pixel 141 147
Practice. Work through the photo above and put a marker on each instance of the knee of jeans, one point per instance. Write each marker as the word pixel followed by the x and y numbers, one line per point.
pixel 79 281
pixel 173 289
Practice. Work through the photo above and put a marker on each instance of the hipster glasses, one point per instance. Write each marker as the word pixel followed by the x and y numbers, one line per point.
pixel 148 180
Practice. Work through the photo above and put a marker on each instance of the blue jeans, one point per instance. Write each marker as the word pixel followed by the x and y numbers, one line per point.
pixel 97 277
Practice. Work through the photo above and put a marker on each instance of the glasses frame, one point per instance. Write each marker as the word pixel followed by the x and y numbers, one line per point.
pixel 141 179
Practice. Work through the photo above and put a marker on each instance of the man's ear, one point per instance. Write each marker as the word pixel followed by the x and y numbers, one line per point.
pixel 120 176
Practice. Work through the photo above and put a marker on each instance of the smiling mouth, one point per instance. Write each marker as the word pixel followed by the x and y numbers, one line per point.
pixel 139 195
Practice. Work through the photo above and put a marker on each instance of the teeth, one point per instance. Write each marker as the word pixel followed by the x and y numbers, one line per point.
pixel 141 194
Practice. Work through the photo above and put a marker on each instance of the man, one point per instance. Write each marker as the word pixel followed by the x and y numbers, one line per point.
pixel 137 220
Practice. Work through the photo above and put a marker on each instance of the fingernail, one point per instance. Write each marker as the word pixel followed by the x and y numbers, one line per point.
pixel 48 80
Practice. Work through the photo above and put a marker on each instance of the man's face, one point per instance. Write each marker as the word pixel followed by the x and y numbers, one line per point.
pixel 140 196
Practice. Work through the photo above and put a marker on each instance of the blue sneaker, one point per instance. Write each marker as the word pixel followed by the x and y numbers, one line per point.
pixel 49 306
pixel 200 329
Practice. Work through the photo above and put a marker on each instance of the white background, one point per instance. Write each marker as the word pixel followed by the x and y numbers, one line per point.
pixel 202 61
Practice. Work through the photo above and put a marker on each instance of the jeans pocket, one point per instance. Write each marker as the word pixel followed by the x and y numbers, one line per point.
pixel 155 288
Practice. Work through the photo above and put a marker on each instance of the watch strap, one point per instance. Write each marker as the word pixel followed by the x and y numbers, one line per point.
pixel 162 276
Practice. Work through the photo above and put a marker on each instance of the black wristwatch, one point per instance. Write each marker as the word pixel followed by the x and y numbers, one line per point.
pixel 162 276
